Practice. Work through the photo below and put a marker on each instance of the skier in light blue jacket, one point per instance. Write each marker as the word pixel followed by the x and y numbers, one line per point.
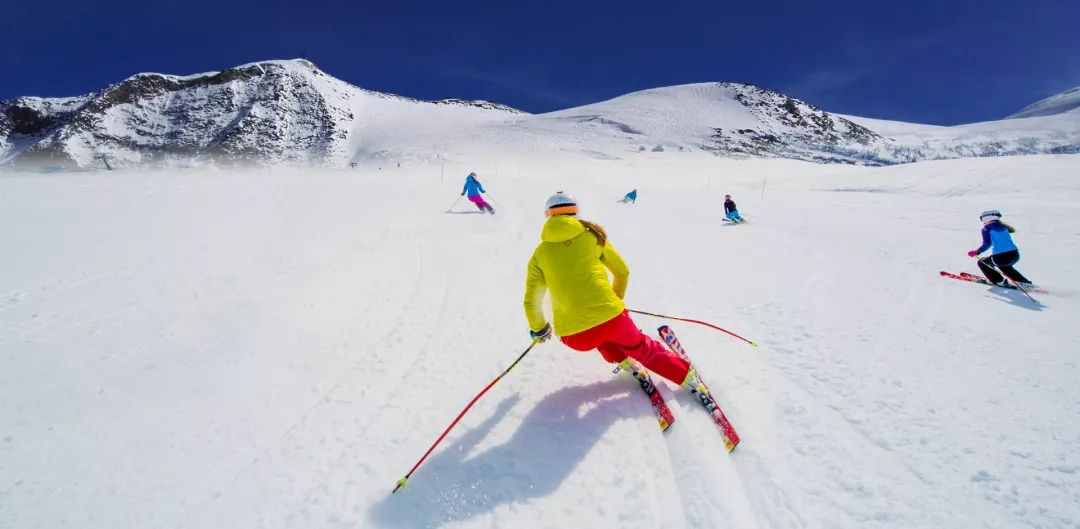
pixel 1004 253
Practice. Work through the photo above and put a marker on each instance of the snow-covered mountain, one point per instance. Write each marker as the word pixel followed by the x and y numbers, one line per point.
pixel 911 142
pixel 291 112
pixel 268 112
pixel 724 118
pixel 1067 101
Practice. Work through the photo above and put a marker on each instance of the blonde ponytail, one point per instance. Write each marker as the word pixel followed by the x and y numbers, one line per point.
pixel 597 231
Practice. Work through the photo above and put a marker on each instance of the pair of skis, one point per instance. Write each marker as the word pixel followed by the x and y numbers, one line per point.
pixel 972 278
pixel 663 414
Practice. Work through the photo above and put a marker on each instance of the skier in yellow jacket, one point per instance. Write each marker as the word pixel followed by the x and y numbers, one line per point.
pixel 572 262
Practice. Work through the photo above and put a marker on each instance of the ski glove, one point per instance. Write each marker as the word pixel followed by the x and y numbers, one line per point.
pixel 973 253
pixel 542 335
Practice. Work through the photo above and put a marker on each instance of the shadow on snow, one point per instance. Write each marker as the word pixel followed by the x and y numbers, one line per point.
pixel 1015 297
pixel 556 435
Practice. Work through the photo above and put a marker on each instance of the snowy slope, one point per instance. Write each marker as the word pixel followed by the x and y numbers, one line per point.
pixel 1067 101
pixel 890 128
pixel 276 348
pixel 910 142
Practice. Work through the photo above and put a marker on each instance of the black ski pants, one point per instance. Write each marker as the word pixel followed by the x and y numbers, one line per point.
pixel 1003 261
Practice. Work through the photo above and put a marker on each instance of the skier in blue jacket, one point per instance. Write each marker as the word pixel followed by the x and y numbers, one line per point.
pixel 1004 253
pixel 630 197
pixel 473 188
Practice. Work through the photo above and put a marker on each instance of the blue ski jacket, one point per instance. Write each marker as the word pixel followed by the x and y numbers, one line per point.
pixel 472 187
pixel 995 235
pixel 632 195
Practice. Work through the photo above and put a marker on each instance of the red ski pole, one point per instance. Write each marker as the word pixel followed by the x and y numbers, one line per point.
pixel 699 322
pixel 405 480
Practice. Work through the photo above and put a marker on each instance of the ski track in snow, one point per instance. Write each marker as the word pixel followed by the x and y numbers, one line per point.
pixel 273 349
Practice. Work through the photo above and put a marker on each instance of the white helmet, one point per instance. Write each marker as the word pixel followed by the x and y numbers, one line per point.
pixel 990 216
pixel 560 204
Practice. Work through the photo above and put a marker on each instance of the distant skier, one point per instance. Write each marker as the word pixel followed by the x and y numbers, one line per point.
pixel 630 197
pixel 474 189
pixel 1004 253
pixel 730 211
pixel 572 261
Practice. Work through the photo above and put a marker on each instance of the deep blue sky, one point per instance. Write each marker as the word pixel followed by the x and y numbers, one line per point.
pixel 945 62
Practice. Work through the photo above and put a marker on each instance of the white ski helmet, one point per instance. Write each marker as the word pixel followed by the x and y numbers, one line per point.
pixel 990 216
pixel 560 204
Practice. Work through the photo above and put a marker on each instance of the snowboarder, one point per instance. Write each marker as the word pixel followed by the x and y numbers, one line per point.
pixel 1004 253
pixel 730 211
pixel 572 261
pixel 474 189
pixel 630 197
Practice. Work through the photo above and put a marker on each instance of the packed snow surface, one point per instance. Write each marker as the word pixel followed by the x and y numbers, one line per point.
pixel 203 348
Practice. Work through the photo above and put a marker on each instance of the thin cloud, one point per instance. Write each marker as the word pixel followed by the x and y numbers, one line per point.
pixel 863 61
pixel 531 81
pixel 527 82
pixel 828 80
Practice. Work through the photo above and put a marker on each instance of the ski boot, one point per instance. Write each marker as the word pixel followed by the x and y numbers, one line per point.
pixel 693 383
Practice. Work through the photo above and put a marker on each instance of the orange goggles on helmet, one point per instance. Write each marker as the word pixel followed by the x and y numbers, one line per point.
pixel 569 209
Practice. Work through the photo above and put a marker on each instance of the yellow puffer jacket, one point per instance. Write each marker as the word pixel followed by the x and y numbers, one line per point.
pixel 571 264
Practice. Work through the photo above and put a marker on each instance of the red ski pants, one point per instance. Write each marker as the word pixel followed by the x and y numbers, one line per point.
pixel 619 338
